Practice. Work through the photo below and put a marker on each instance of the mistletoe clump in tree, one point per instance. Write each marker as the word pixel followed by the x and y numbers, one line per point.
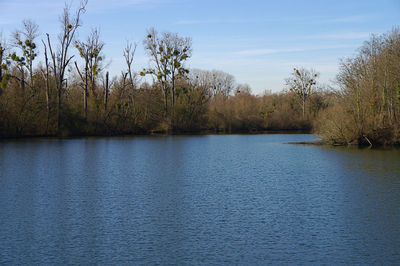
pixel 302 82
pixel 24 40
pixel 90 51
pixel 167 52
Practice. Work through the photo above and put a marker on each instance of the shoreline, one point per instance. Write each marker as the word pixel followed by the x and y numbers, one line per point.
pixel 206 133
pixel 160 134
pixel 337 145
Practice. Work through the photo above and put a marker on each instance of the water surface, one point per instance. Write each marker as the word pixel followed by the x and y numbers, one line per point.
pixel 231 199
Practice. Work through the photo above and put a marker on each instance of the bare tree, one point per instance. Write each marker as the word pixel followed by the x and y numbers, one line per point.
pixel 168 53
pixel 46 78
pixel 129 54
pixel 90 51
pixel 243 89
pixel 302 82
pixel 25 40
pixel 222 82
pixel 215 81
pixel 61 58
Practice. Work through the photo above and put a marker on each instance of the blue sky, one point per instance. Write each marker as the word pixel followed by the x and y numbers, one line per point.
pixel 259 42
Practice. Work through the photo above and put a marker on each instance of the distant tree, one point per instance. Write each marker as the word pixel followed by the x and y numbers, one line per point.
pixel 200 78
pixel 243 89
pixel 129 54
pixel 216 81
pixel 168 53
pixel 222 83
pixel 302 82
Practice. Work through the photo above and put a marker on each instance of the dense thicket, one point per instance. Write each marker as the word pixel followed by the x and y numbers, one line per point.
pixel 367 108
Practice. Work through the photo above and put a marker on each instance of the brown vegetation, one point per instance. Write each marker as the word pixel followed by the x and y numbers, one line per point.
pixel 65 95
pixel 367 108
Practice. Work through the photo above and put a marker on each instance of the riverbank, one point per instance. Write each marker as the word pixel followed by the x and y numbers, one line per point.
pixel 358 145
pixel 162 133
pixel 318 142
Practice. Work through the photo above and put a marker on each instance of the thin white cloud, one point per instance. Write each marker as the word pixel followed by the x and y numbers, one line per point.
pixel 7 21
pixel 258 52
pixel 266 51
pixel 15 11
pixel 106 5
pixel 330 20
pixel 321 66
pixel 340 36
pixel 307 20
pixel 26 5
pixel 349 19
pixel 212 21
pixel 125 3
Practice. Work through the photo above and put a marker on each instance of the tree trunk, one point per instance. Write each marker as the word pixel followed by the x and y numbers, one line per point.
pixel 53 57
pixel 1 69
pixel 23 81
pixel 31 74
pixel 1 72
pixel 165 89
pixel 173 90
pixel 58 107
pixel 106 93
pixel 46 76
pixel 85 96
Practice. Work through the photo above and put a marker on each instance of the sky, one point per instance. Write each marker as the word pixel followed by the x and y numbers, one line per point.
pixel 259 42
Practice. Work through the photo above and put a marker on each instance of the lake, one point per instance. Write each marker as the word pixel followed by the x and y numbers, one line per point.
pixel 214 199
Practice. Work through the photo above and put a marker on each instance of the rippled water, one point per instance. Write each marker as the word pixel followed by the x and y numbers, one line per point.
pixel 232 199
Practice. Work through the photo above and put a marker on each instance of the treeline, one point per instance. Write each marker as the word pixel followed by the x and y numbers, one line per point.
pixel 65 90
pixel 68 91
pixel 366 109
